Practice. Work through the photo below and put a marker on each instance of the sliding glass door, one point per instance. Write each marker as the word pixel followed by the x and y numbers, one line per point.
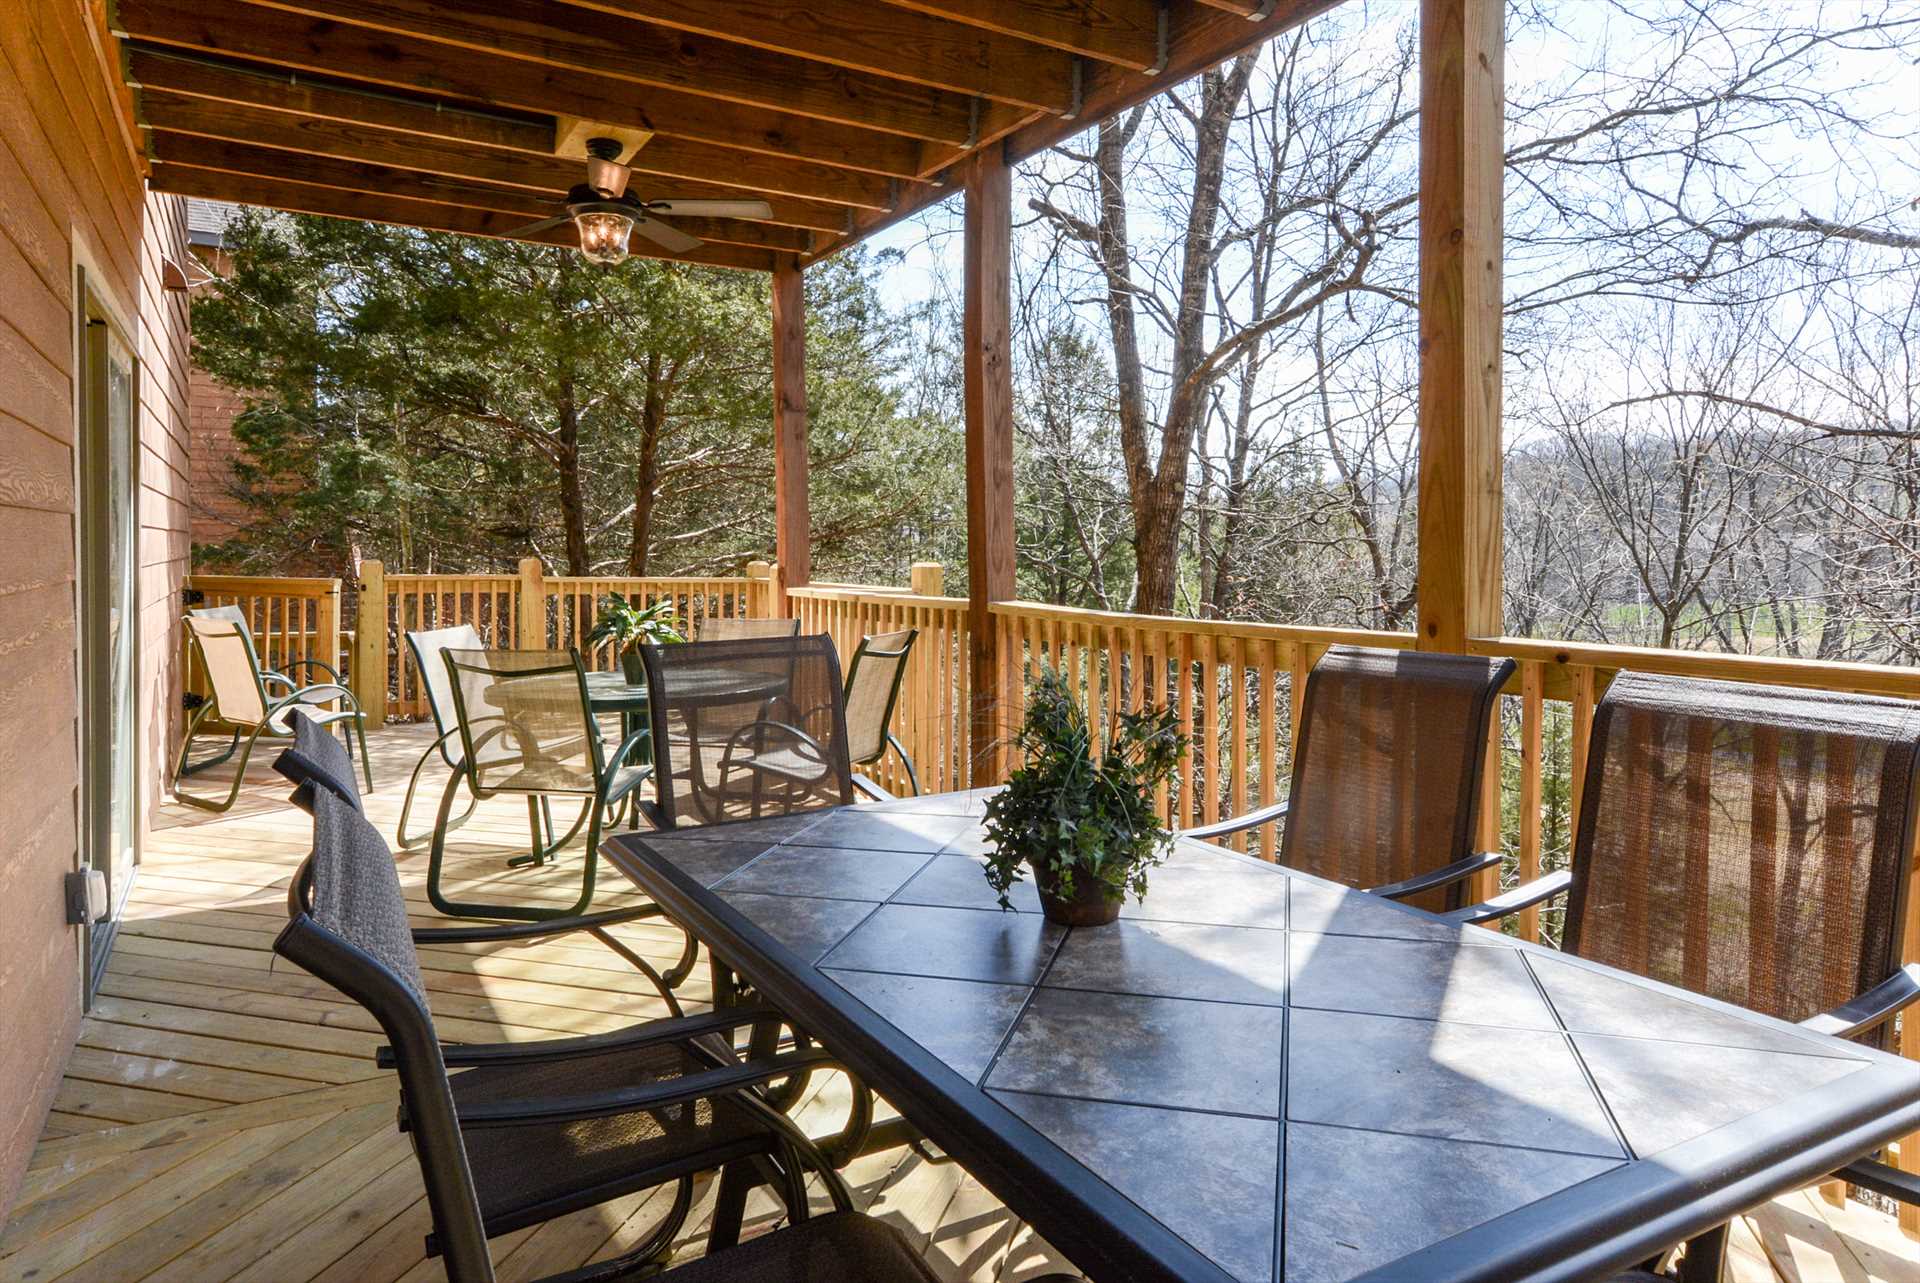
pixel 108 570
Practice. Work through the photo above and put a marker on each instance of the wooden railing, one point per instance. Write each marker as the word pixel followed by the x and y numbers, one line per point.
pixel 931 717
pixel 502 608
pixel 290 619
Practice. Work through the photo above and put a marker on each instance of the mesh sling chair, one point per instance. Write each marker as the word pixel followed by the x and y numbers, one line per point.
pixel 1387 772
pixel 530 1131
pixel 240 697
pixel 874 678
pixel 728 736
pixel 737 628
pixel 318 672
pixel 427 648
pixel 1772 828
pixel 317 761
pixel 526 728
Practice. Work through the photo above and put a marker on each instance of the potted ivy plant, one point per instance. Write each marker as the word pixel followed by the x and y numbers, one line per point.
pixel 629 625
pixel 1086 827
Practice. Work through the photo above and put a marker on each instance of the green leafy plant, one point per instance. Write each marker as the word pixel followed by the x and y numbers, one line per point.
pixel 627 624
pixel 1071 816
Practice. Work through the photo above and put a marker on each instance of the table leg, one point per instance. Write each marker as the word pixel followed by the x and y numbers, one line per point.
pixel 1706 1258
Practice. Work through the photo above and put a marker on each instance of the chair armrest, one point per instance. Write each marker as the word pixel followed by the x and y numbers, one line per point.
pixel 1874 1007
pixel 330 690
pixel 647 1034
pixel 1444 876
pixel 872 790
pixel 1886 1181
pixel 659 1095
pixel 627 746
pixel 333 674
pixel 1251 820
pixel 1505 906
pixel 533 930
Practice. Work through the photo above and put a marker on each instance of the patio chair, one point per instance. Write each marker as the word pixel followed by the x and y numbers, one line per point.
pixel 317 761
pixel 874 678
pixel 275 679
pixel 732 735
pixel 1387 772
pixel 1751 843
pixel 527 729
pixel 240 698
pixel 531 1131
pixel 428 647
pixel 738 628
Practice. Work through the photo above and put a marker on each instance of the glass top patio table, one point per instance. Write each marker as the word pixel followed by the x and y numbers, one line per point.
pixel 1259 1075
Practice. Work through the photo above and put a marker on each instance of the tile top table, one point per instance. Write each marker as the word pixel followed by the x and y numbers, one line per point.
pixel 1257 1075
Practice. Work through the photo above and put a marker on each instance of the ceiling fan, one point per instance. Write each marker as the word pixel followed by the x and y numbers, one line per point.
pixel 607 214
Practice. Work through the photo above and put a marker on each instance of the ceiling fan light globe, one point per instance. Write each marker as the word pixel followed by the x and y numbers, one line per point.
pixel 603 236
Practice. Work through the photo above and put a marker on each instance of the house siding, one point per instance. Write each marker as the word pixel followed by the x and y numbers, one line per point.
pixel 69 173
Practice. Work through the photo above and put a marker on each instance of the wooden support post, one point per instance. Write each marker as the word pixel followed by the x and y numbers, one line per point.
pixel 760 590
pixel 989 406
pixel 530 629
pixel 928 579
pixel 1461 132
pixel 790 524
pixel 368 679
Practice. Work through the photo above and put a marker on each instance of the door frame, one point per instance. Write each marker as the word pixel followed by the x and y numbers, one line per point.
pixel 95 303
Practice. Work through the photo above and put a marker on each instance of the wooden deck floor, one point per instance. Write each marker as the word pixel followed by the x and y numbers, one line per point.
pixel 222 1118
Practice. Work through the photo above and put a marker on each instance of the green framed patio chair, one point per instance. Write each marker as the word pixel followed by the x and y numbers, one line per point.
pixel 427 647
pixel 240 697
pixel 526 728
pixel 276 679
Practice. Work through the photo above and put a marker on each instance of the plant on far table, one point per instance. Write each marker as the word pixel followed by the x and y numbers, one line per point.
pixel 1072 817
pixel 629 625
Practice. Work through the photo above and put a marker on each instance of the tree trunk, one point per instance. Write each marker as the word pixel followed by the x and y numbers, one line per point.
pixel 646 472
pixel 566 461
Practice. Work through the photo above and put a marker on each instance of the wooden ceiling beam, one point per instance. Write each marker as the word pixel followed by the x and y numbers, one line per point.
pixel 387 180
pixel 187 94
pixel 1125 32
pixel 553 41
pixel 1201 36
pixel 874 38
pixel 332 202
pixel 366 55
pixel 684 163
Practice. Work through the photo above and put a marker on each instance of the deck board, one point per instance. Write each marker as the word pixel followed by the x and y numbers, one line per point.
pixel 222 1119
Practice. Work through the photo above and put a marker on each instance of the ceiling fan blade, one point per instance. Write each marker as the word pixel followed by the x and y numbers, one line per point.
pixel 541 226
pixel 666 235
pixel 713 208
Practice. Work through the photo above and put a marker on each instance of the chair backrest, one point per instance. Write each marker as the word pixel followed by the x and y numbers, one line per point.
pixel 428 646
pixel 233 670
pixel 738 628
pixel 347 924
pixel 317 760
pixel 1746 842
pixel 873 688
pixel 525 724
pixel 232 614
pixel 717 705
pixel 1388 764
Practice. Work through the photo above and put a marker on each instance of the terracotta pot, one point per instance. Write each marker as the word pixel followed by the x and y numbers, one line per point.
pixel 631 665
pixel 1088 906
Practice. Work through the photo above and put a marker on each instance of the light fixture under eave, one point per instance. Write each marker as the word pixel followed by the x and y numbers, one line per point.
pixel 603 235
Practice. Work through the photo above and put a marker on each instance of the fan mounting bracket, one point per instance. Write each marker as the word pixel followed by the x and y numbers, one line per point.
pixel 570 135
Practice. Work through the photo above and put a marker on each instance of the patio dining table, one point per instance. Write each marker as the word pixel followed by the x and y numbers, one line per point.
pixel 1259 1075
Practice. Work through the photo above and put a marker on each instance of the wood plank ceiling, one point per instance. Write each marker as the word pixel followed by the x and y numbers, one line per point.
pixel 843 115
